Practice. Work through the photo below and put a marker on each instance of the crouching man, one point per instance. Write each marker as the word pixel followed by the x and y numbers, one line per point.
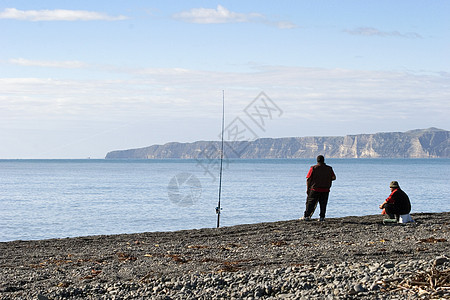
pixel 397 205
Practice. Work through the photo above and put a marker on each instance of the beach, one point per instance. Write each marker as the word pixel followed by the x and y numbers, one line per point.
pixel 341 258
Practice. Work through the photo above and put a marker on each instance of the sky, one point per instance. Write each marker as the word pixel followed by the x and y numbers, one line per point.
pixel 81 78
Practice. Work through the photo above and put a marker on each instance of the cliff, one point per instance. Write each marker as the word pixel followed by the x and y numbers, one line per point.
pixel 420 143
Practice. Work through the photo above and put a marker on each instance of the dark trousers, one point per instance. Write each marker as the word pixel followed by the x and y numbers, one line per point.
pixel 312 200
pixel 393 211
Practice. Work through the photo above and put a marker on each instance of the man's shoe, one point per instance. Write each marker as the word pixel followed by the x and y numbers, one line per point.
pixel 322 220
pixel 305 218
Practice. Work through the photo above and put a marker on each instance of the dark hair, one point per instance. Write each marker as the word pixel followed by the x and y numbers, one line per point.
pixel 320 159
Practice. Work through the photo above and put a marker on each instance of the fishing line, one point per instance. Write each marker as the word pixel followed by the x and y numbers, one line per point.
pixel 218 208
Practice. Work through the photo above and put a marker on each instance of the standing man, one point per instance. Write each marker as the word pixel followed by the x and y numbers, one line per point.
pixel 318 183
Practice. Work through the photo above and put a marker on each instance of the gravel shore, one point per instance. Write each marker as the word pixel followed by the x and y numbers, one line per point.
pixel 341 258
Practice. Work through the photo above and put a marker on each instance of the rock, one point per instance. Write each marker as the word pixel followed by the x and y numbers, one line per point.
pixel 359 288
pixel 259 292
pixel 440 260
pixel 374 287
pixel 389 265
pixel 286 296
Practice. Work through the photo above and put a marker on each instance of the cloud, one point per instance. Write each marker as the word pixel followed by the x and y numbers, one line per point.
pixel 338 94
pixel 370 31
pixel 214 16
pixel 56 15
pixel 184 105
pixel 285 25
pixel 221 15
pixel 71 64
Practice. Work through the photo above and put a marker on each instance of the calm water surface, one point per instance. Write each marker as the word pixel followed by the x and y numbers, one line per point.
pixel 65 198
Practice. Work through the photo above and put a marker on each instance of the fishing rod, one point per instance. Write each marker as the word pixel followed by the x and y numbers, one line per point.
pixel 218 209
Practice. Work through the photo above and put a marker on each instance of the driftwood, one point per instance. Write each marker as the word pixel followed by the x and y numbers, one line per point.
pixel 431 284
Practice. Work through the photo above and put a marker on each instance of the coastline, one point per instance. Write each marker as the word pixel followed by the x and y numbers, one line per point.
pixel 340 258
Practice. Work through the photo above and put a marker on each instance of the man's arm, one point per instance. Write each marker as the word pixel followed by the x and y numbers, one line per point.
pixel 388 200
pixel 308 180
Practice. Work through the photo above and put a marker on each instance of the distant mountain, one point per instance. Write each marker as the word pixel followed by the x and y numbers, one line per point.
pixel 420 143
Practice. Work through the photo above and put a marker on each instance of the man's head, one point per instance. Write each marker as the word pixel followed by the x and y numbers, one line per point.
pixel 394 185
pixel 320 159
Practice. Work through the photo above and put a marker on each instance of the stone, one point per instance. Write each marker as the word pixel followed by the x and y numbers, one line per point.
pixel 359 288
pixel 389 265
pixel 440 260
pixel 374 287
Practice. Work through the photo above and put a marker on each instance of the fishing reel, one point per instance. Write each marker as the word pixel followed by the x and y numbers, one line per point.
pixel 218 210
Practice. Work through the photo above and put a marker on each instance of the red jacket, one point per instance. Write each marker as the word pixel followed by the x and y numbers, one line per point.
pixel 390 199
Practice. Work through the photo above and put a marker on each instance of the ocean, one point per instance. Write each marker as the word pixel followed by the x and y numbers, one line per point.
pixel 43 199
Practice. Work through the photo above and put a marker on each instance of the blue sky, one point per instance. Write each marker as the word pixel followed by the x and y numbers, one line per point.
pixel 81 78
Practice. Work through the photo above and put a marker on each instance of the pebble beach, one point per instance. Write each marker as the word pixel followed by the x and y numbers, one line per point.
pixel 341 258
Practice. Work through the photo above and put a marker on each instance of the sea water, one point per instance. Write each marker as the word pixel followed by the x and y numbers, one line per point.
pixel 42 199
